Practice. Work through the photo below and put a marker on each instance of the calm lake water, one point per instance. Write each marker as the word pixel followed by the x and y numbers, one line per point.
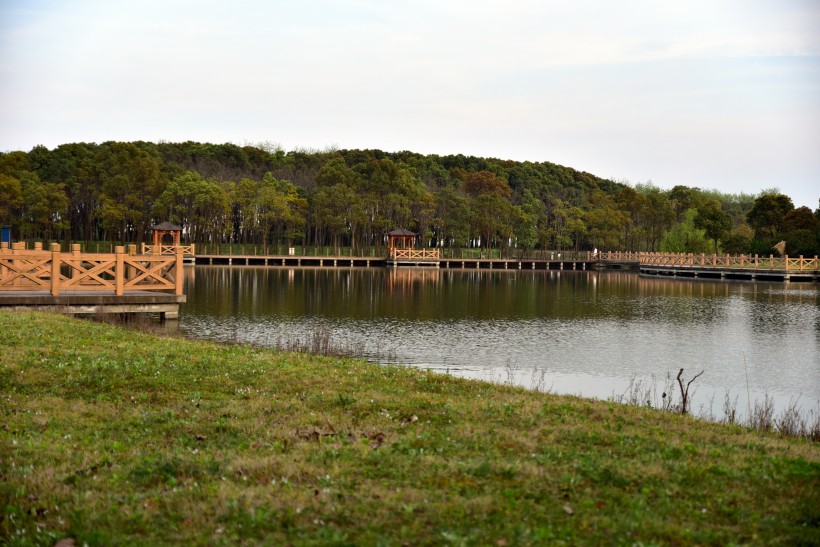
pixel 578 332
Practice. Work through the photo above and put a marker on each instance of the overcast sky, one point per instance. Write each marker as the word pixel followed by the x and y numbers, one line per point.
pixel 721 94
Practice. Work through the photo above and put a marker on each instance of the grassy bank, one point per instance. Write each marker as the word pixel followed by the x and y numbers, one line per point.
pixel 110 436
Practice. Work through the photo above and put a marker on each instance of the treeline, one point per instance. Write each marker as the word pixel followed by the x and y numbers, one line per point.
pixel 116 191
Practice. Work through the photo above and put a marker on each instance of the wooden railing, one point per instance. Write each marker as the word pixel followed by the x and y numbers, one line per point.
pixel 690 260
pixel 187 250
pixel 615 256
pixel 414 254
pixel 40 270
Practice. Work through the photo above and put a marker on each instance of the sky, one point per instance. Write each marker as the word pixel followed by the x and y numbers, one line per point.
pixel 717 94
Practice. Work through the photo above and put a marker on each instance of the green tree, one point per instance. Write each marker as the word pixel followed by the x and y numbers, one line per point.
pixel 197 205
pixel 11 196
pixel 739 239
pixel 130 180
pixel 715 223
pixel 280 209
pixel 800 231
pixel 685 237
pixel 768 214
pixel 44 208
pixel 452 218
pixel 605 221
pixel 658 215
pixel 491 209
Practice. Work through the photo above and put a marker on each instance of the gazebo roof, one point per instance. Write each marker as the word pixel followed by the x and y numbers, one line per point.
pixel 401 232
pixel 167 227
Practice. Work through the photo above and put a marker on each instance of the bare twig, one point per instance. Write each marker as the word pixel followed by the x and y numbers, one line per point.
pixel 684 391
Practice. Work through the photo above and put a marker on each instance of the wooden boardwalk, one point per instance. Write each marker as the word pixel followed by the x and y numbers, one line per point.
pixel 90 283
pixel 714 266
pixel 578 263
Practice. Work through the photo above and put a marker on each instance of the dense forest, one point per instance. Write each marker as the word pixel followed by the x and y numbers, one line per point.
pixel 225 193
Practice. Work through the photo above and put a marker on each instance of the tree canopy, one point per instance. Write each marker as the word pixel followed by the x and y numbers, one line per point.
pixel 224 193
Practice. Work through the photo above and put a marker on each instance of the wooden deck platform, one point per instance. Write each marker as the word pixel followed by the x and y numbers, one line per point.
pixel 93 302
pixel 743 274
pixel 292 261
pixel 375 262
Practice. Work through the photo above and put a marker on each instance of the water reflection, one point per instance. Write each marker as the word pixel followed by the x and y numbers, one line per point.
pixel 579 332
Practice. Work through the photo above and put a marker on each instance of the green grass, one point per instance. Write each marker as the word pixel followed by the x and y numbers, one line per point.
pixel 110 436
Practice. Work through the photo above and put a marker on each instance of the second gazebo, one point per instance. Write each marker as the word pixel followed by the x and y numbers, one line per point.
pixel 401 250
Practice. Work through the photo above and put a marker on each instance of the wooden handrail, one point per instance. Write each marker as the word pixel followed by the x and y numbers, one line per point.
pixel 121 272
pixel 187 250
pixel 702 260
pixel 414 254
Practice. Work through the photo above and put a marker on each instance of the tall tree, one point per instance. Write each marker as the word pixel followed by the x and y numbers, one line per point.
pixel 768 214
pixel 713 221
pixel 130 180
pixel 11 195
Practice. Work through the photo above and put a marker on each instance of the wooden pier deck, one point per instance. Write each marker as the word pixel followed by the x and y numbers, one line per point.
pixel 93 302
pixel 740 267
pixel 580 263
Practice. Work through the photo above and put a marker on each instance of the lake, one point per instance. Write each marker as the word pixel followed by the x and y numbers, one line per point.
pixel 590 333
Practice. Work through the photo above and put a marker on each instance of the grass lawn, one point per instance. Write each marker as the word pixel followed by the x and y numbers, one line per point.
pixel 110 436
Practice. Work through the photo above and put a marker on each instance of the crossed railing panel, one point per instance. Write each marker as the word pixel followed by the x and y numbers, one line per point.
pixel 415 254
pixel 187 250
pixel 38 270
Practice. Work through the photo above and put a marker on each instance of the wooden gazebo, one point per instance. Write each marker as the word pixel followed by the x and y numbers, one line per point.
pixel 167 228
pixel 401 249
pixel 159 248
pixel 400 239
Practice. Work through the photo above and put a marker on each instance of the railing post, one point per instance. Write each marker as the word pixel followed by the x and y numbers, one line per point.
pixel 4 247
pixel 75 255
pixel 786 262
pixel 55 269
pixel 119 270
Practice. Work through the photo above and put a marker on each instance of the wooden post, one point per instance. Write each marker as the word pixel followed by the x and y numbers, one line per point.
pixel 178 272
pixel 55 269
pixel 119 270
pixel 75 255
